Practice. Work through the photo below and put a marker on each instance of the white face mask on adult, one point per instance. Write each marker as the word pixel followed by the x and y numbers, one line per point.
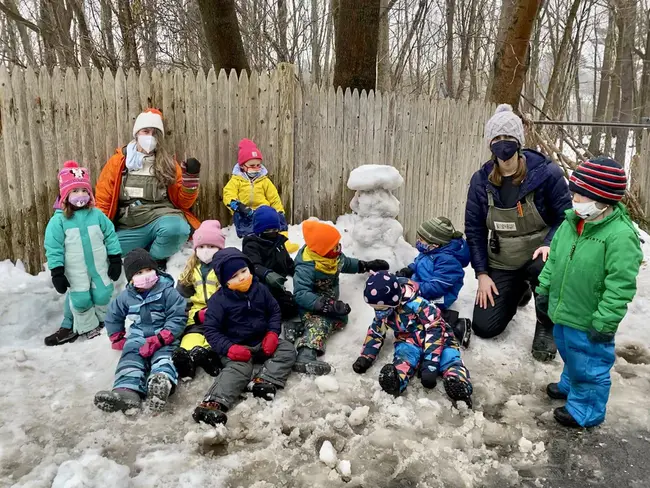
pixel 147 143
pixel 588 210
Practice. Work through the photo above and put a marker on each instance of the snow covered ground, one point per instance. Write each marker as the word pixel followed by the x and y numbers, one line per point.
pixel 340 430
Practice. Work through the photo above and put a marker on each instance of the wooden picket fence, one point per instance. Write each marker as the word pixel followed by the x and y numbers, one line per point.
pixel 311 139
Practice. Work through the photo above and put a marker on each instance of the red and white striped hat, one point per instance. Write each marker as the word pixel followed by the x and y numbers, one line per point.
pixel 601 179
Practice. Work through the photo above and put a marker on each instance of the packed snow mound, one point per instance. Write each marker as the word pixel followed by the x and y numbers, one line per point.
pixel 375 203
pixel 91 470
pixel 375 176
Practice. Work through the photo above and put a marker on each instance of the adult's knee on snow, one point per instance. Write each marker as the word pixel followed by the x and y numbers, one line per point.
pixel 487 326
pixel 173 227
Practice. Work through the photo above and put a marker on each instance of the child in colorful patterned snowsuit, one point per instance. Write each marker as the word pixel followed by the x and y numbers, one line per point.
pixel 249 188
pixel 423 341
pixel 83 254
pixel 586 286
pixel 197 283
pixel 159 317
pixel 316 288
pixel 243 326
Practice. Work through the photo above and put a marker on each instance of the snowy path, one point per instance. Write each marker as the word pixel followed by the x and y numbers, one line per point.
pixel 52 435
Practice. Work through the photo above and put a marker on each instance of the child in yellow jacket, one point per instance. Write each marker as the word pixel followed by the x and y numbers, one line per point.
pixel 250 188
pixel 197 283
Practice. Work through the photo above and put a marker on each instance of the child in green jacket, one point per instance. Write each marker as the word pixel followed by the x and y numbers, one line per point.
pixel 585 287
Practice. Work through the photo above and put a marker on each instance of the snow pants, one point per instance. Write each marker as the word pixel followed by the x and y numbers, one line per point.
pixel 244 224
pixel 133 370
pixel 586 375
pixel 235 375
pixel 83 318
pixel 194 339
pixel 316 329
pixel 162 237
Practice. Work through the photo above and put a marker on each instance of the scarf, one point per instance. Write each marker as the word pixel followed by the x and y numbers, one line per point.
pixel 134 158
pixel 328 266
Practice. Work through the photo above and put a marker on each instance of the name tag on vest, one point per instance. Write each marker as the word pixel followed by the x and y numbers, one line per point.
pixel 134 192
pixel 505 226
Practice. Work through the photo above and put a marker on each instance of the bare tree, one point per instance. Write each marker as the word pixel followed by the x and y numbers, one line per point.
pixel 221 28
pixel 626 22
pixel 605 83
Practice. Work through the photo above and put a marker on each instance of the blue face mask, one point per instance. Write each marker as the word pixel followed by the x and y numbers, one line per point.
pixel 253 174
pixel 504 150
pixel 423 247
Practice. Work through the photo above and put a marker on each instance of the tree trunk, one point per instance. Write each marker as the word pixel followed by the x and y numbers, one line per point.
pixel 329 34
pixel 505 16
pixel 149 28
pixel 107 33
pixel 315 43
pixel 449 64
pixel 24 37
pixel 356 39
pixel 533 70
pixel 63 20
pixel 469 32
pixel 85 38
pixel 49 40
pixel 383 49
pixel 626 20
pixel 605 83
pixel 644 96
pixel 614 102
pixel 127 27
pixel 510 61
pixel 221 28
pixel 283 25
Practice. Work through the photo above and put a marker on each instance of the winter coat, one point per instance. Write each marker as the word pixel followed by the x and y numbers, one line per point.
pixel 591 278
pixel 440 272
pixel 260 191
pixel 552 198
pixel 268 256
pixel 315 276
pixel 161 308
pixel 197 295
pixel 107 191
pixel 234 317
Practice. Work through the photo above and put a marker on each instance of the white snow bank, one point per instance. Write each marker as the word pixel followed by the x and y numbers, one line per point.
pixel 375 176
pixel 89 471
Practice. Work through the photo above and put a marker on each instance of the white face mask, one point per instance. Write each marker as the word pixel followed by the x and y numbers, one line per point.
pixel 205 254
pixel 147 143
pixel 588 211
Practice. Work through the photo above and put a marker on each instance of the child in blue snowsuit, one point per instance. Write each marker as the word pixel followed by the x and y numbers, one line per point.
pixel 423 341
pixel 159 317
pixel 439 270
pixel 83 255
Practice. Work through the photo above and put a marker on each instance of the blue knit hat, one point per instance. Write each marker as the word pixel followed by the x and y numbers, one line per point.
pixel 265 218
pixel 230 267
pixel 382 288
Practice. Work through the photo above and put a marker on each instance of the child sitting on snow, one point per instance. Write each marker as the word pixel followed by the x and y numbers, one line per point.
pixel 422 340
pixel 243 325
pixel 249 188
pixel 83 254
pixel 316 288
pixel 197 283
pixel 158 314
pixel 438 269
pixel 585 287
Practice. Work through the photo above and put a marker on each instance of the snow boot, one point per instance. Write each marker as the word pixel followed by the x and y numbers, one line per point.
pixel 206 359
pixel 120 399
pixel 463 331
pixel 389 379
pixel 554 392
pixel 526 297
pixel 61 336
pixel 307 362
pixel 544 348
pixel 458 390
pixel 95 332
pixel 184 363
pixel 562 416
pixel 211 413
pixel 158 389
pixel 263 389
pixel 293 329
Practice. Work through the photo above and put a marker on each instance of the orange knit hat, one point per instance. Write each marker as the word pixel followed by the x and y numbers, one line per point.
pixel 320 237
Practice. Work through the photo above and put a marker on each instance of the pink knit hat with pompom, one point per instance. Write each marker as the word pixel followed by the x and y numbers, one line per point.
pixel 73 177
pixel 209 233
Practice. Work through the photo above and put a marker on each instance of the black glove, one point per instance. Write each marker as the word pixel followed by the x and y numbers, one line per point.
pixel 275 280
pixel 600 337
pixel 60 282
pixel 244 209
pixel 192 166
pixel 429 376
pixel 405 272
pixel 114 266
pixel 374 265
pixel 541 303
pixel 362 364
pixel 331 307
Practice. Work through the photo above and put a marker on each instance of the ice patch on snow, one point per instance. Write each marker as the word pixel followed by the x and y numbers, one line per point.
pixel 327 454
pixel 359 415
pixel 373 176
pixel 326 383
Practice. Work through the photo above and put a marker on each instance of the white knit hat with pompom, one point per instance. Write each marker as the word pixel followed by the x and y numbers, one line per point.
pixel 504 122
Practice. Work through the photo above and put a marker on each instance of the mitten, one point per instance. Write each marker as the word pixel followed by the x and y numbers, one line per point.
pixel 541 303
pixel 152 344
pixel 374 265
pixel 114 266
pixel 270 343
pixel 191 169
pixel 60 282
pixel 239 353
pixel 275 280
pixel 335 308
pixel 362 364
pixel 405 272
pixel 600 337
pixel 245 210
pixel 118 340
pixel 199 316
pixel 429 375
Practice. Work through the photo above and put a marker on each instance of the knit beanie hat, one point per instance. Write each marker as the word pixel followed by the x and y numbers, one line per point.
pixel 247 150
pixel 230 267
pixel 150 118
pixel 265 218
pixel 382 288
pixel 72 177
pixel 504 122
pixel 136 261
pixel 438 230
pixel 320 237
pixel 601 179
pixel 209 233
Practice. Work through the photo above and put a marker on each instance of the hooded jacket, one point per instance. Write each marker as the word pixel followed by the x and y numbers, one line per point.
pixel 255 193
pixel 268 256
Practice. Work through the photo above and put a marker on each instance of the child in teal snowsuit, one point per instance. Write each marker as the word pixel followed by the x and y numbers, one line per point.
pixel 83 254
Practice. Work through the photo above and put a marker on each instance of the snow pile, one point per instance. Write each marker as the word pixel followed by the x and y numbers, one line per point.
pixel 327 454
pixel 91 470
pixel 375 176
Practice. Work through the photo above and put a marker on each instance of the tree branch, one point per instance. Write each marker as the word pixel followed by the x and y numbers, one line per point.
pixel 16 17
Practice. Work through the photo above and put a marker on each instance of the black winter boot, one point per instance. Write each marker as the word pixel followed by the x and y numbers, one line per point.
pixel 206 359
pixel 463 331
pixel 458 390
pixel 307 362
pixel 61 336
pixel 263 389
pixel 184 363
pixel 211 413
pixel 526 297
pixel 562 416
pixel 120 399
pixel 158 389
pixel 554 392
pixel 544 348
pixel 389 379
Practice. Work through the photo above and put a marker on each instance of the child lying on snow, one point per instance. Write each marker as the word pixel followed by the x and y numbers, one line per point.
pixel 423 341
pixel 243 325
pixel 158 314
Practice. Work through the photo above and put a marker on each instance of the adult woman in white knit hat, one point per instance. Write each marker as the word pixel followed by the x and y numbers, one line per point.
pixel 147 193
pixel 516 202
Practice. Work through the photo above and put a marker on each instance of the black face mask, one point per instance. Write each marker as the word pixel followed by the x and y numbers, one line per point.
pixel 270 235
pixel 504 150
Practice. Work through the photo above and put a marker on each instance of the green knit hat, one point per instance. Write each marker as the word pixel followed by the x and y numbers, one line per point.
pixel 438 230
